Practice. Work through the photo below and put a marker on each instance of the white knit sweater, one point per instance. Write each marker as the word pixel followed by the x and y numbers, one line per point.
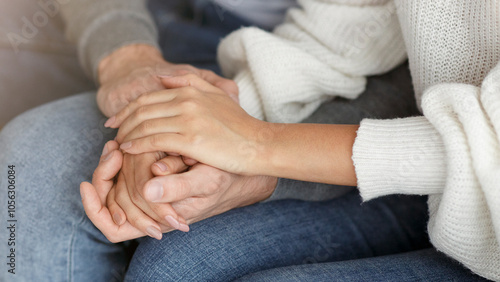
pixel 452 153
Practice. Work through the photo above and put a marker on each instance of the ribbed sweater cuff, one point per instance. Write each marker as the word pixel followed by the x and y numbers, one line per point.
pixel 111 32
pixel 401 156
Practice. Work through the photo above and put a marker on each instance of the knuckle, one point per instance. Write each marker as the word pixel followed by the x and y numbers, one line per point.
pixel 125 112
pixel 196 140
pixel 190 105
pixel 119 198
pixel 142 100
pixel 184 185
pixel 134 218
pixel 141 111
pixel 211 187
pixel 135 198
pixel 110 95
pixel 145 127
pixel 183 188
pixel 219 178
pixel 191 76
pixel 155 141
pixel 191 91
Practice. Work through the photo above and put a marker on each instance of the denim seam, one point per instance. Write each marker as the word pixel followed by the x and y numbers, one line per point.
pixel 71 246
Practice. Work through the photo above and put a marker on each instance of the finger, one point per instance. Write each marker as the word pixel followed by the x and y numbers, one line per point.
pixel 164 213
pixel 155 121
pixel 114 96
pixel 149 127
pixel 134 215
pixel 168 165
pixel 227 85
pixel 119 216
pixel 144 100
pixel 101 218
pixel 108 168
pixel 189 79
pixel 177 70
pixel 189 161
pixel 109 147
pixel 165 142
pixel 177 187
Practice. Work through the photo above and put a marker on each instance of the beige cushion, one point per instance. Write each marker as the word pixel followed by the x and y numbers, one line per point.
pixel 37 64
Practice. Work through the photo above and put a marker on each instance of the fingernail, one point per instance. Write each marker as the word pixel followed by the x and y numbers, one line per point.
pixel 108 157
pixel 126 146
pixel 173 222
pixel 154 232
pixel 110 121
pixel 163 167
pixel 117 218
pixel 184 227
pixel 154 192
pixel 105 150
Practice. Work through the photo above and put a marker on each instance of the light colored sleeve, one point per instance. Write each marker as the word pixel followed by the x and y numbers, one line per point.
pixel 98 27
pixel 451 154
pixel 324 49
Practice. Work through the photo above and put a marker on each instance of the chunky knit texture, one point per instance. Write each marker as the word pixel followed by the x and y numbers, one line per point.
pixel 322 51
pixel 452 153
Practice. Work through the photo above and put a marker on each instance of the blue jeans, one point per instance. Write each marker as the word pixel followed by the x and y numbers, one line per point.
pixel 422 265
pixel 56 146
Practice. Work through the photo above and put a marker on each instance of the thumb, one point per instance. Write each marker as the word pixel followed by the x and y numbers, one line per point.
pixel 168 165
pixel 109 166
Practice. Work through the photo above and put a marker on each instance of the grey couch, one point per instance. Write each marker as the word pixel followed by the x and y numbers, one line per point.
pixel 37 64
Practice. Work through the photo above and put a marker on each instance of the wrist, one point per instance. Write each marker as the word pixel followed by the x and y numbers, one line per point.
pixel 308 152
pixel 257 189
pixel 126 59
pixel 267 144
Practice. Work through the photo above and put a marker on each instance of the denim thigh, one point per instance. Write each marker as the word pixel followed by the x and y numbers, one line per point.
pixel 283 233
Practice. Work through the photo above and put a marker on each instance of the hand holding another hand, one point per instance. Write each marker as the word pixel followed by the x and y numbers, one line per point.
pixel 129 208
pixel 196 120
pixel 116 208
pixel 134 70
pixel 199 193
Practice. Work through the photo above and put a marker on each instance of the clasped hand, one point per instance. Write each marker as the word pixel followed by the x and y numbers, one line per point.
pixel 145 192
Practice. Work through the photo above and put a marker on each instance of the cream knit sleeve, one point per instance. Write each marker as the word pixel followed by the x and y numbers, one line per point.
pixel 323 50
pixel 452 153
